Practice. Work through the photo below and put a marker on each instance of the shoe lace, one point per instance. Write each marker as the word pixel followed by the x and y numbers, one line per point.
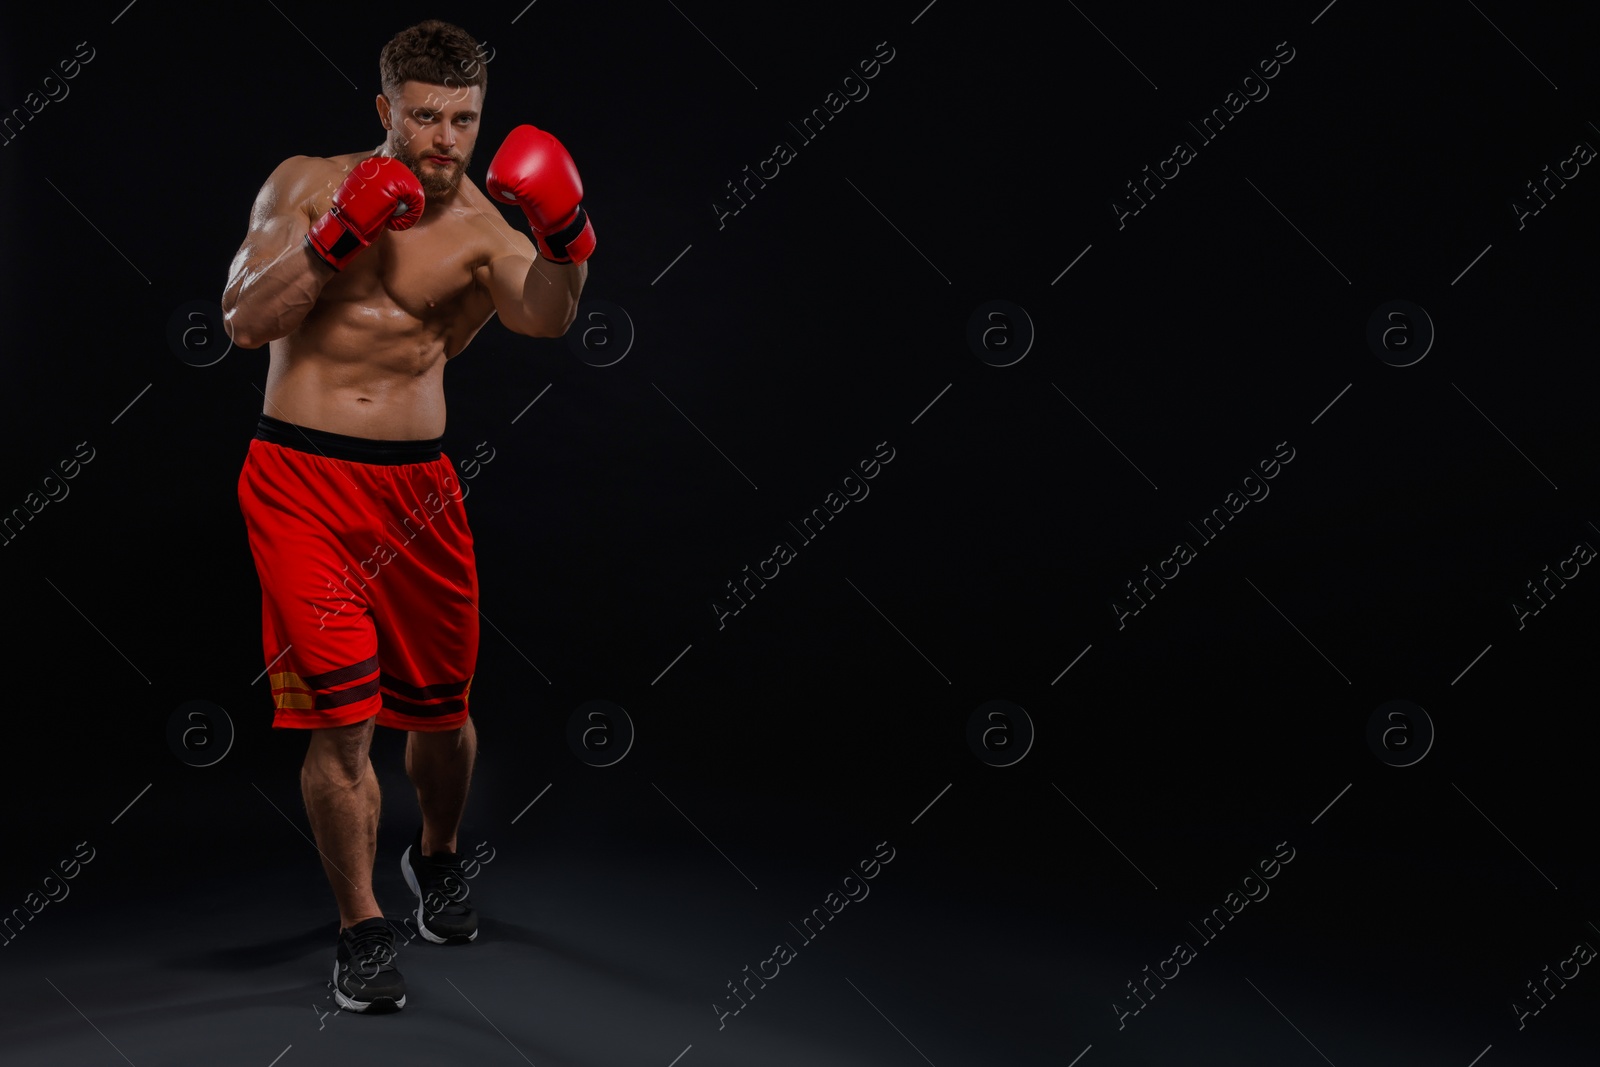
pixel 372 951
pixel 445 883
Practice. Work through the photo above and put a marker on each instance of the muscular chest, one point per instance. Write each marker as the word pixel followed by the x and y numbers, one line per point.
pixel 424 273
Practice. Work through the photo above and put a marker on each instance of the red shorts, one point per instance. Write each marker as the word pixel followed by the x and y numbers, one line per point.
pixel 369 585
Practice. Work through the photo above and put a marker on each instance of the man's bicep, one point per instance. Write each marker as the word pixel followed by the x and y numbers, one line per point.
pixel 279 218
pixel 266 241
pixel 504 278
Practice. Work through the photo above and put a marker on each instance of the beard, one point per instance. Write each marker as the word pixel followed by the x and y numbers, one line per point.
pixel 438 183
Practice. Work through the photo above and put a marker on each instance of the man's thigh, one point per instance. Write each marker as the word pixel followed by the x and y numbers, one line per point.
pixel 425 606
pixel 319 638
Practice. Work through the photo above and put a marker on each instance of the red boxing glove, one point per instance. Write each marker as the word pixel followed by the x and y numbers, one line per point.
pixel 379 191
pixel 533 170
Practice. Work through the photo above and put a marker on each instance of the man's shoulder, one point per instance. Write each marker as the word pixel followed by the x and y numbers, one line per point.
pixel 317 167
pixel 304 182
pixel 480 211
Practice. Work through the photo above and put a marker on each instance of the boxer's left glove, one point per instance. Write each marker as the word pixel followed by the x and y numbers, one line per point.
pixel 533 170
pixel 379 191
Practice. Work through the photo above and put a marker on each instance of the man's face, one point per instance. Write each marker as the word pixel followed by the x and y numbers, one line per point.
pixel 432 129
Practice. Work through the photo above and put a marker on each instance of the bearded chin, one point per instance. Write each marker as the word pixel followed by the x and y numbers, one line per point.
pixel 435 186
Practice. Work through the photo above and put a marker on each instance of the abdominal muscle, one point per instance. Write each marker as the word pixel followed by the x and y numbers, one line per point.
pixel 363 372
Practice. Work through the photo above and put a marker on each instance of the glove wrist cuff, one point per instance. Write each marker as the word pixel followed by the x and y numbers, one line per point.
pixel 573 242
pixel 335 243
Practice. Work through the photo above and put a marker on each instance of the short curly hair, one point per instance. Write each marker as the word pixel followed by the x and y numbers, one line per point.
pixel 434 52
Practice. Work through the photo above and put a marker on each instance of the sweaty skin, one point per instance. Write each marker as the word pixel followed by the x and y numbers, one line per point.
pixel 362 352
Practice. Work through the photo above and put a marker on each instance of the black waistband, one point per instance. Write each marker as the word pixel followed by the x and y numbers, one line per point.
pixel 342 446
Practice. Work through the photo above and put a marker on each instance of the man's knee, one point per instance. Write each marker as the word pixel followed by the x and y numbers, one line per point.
pixel 341 750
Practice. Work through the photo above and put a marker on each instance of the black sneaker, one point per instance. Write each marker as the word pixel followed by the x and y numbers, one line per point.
pixel 364 975
pixel 445 915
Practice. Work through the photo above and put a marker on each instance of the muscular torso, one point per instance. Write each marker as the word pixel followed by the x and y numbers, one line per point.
pixel 369 358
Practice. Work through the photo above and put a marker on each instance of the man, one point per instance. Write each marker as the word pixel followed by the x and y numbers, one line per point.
pixel 367 273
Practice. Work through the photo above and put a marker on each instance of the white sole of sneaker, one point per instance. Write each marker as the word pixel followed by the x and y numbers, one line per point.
pixel 381 1003
pixel 422 927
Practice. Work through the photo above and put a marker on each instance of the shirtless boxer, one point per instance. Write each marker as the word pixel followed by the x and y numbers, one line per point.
pixel 366 273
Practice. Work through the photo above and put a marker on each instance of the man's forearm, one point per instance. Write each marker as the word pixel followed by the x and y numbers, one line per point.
pixel 270 303
pixel 550 295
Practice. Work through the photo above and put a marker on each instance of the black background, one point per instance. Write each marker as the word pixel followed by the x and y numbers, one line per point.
pixel 826 317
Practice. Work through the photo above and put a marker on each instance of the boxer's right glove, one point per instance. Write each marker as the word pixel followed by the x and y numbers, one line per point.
pixel 379 191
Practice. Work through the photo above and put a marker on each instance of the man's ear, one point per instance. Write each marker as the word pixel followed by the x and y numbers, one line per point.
pixel 383 111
